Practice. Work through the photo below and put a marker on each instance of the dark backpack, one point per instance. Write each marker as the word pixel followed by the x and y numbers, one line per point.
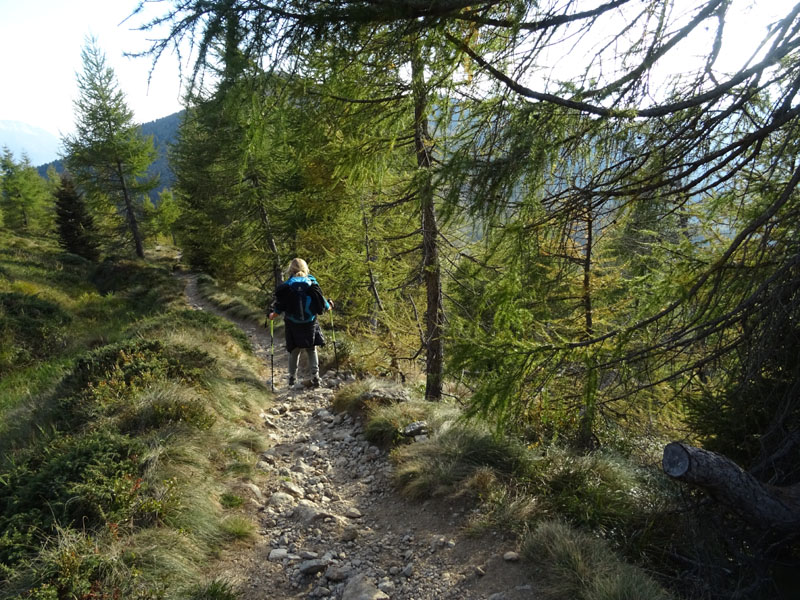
pixel 301 300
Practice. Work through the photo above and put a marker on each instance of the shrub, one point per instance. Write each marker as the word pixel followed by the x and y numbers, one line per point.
pixel 132 363
pixel 30 327
pixel 149 288
pixel 84 480
pixel 163 405
pixel 231 500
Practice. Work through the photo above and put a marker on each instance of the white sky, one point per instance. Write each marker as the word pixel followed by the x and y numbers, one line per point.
pixel 41 41
pixel 40 46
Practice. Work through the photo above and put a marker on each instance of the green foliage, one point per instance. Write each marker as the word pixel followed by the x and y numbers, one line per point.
pixel 147 287
pixel 108 156
pixel 749 408
pixel 110 373
pixel 25 200
pixel 76 229
pixel 84 481
pixel 101 449
pixel 30 328
pixel 216 590
pixel 229 500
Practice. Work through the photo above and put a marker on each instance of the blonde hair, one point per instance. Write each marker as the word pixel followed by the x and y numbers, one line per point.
pixel 298 267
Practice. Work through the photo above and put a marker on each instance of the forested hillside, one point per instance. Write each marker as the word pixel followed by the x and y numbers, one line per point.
pixel 569 231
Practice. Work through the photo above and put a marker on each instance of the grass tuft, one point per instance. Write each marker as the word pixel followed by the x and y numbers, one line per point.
pixel 574 564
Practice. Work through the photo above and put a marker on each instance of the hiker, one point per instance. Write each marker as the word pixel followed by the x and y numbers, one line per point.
pixel 299 299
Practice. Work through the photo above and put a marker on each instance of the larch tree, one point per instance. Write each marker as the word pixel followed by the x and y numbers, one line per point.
pixel 107 155
pixel 25 200
pixel 710 136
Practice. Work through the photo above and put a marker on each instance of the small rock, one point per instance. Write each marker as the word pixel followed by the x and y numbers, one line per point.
pixel 511 557
pixel 408 571
pixel 278 554
pixel 350 533
pixel 337 573
pixel 294 489
pixel 281 500
pixel 497 596
pixel 311 567
pixel 256 491
pixel 415 429
pixel 361 588
pixel 353 513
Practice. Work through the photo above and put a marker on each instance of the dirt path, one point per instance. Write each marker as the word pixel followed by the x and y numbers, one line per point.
pixel 330 526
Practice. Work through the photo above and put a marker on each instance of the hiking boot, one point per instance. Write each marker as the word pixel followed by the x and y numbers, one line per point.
pixel 291 381
pixel 315 382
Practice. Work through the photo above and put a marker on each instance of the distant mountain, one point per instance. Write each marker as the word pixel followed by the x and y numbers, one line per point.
pixel 39 145
pixel 165 133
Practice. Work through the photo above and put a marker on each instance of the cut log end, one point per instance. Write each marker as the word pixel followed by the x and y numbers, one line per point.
pixel 675 460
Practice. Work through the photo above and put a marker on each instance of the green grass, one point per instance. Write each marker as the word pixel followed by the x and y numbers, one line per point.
pixel 576 565
pixel 605 501
pixel 240 302
pixel 121 436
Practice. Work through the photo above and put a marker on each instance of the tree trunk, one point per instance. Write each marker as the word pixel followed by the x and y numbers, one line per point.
pixel 434 359
pixel 273 247
pixel 763 505
pixel 132 224
pixel 586 437
pixel 373 284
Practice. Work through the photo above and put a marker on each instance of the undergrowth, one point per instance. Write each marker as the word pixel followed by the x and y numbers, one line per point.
pixel 602 497
pixel 126 418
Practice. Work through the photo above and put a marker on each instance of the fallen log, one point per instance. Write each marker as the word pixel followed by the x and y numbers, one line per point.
pixel 763 505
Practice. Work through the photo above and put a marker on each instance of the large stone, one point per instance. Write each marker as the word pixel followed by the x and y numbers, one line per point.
pixel 361 587
pixel 383 397
pixel 281 500
pixel 278 554
pixel 350 533
pixel 312 567
pixel 337 573
pixel 294 489
pixel 256 491
pixel 308 513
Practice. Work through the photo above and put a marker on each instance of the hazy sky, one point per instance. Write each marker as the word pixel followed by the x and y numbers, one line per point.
pixel 40 46
pixel 41 41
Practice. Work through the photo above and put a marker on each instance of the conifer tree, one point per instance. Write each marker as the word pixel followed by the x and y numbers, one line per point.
pixel 695 139
pixel 76 229
pixel 25 200
pixel 107 155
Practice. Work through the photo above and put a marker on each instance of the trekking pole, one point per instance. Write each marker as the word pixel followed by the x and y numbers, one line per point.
pixel 333 335
pixel 272 352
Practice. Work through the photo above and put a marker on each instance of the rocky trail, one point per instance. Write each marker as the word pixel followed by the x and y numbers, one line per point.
pixel 331 526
